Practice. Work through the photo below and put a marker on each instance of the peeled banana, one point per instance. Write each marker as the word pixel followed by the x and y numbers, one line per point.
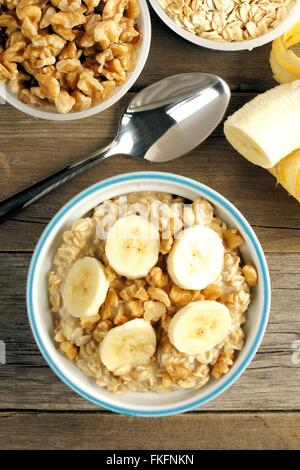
pixel 267 129
pixel 199 326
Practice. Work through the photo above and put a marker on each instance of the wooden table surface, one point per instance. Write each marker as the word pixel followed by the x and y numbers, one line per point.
pixel 262 409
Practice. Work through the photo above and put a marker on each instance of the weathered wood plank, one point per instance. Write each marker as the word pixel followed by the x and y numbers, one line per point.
pixel 214 163
pixel 272 378
pixel 58 144
pixel 191 431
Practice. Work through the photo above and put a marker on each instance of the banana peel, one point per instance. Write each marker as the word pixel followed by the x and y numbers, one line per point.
pixel 287 173
pixel 285 63
pixel 285 66
pixel 280 73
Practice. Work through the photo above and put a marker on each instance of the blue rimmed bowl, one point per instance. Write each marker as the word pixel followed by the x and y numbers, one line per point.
pixel 142 404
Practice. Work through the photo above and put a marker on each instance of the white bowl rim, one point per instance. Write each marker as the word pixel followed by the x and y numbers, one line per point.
pixel 249 44
pixel 214 197
pixel 143 53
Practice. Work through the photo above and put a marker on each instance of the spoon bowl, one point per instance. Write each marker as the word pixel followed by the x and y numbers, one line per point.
pixel 172 117
pixel 162 122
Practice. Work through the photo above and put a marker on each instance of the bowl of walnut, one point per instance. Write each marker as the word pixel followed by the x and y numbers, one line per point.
pixel 69 59
pixel 228 25
pixel 148 294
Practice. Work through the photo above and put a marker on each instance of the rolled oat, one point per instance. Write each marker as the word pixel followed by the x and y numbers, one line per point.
pixel 227 20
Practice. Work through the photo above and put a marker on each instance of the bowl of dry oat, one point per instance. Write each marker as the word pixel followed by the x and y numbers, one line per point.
pixel 69 59
pixel 148 294
pixel 228 25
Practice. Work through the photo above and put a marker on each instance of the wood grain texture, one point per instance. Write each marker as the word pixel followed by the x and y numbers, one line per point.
pixel 270 210
pixel 111 432
pixel 32 397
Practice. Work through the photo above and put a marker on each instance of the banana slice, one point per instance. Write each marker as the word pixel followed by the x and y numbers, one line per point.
pixel 85 287
pixel 132 246
pixel 199 326
pixel 128 345
pixel 196 259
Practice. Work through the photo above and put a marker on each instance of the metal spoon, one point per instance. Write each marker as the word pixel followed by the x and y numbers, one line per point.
pixel 162 122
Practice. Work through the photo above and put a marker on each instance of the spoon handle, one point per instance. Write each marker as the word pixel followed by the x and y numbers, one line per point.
pixel 27 196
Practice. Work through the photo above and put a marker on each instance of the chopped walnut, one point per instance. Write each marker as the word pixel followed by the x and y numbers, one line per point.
pixel 133 9
pixel 101 329
pixel 70 51
pixel 212 292
pixel 68 349
pixel 69 19
pixel 222 366
pixel 82 101
pixel 157 278
pixel 155 293
pixel 129 32
pixel 36 91
pixel 107 32
pixel 233 238
pixel 15 52
pixel 178 372
pixel 166 245
pixel 7 20
pixel 154 310
pixel 30 17
pixel 113 7
pixel 89 85
pixel 89 322
pixel 111 302
pixel 69 65
pixel 250 274
pixel 120 318
pixel 47 15
pixel 26 96
pixel 64 102
pixel 136 308
pixel 49 85
pixel 180 296
pixel 16 85
pixel 68 5
pixel 8 70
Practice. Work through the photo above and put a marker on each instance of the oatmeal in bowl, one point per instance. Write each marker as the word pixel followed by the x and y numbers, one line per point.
pixel 151 285
pixel 159 303
pixel 228 25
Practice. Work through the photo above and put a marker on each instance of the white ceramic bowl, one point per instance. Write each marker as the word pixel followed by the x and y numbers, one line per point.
pixel 49 112
pixel 226 45
pixel 142 404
